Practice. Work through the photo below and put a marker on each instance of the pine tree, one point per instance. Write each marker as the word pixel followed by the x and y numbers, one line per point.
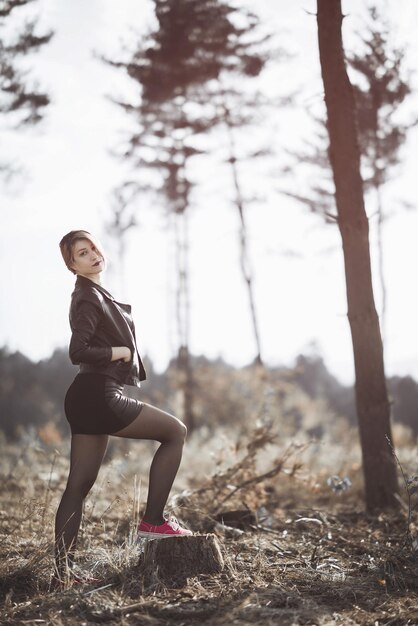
pixel 380 88
pixel 373 411
pixel 22 103
pixel 178 69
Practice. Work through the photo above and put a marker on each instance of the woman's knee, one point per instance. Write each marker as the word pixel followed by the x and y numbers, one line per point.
pixel 177 432
pixel 170 427
pixel 182 431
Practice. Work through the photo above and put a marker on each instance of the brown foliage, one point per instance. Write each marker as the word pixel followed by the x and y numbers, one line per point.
pixel 307 555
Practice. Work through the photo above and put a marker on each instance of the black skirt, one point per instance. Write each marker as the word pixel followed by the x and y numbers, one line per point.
pixel 95 404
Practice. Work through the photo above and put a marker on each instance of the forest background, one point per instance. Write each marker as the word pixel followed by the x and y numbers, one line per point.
pixel 59 174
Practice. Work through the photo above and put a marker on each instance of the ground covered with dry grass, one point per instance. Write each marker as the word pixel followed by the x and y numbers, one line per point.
pixel 296 549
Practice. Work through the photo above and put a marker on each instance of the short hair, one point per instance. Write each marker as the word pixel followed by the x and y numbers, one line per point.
pixel 67 245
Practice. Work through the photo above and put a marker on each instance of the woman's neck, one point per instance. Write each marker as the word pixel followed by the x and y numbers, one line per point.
pixel 94 279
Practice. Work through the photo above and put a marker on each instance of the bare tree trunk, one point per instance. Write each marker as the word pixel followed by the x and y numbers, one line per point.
pixel 373 410
pixel 380 220
pixel 245 262
pixel 183 318
pixel 118 227
pixel 122 264
pixel 380 215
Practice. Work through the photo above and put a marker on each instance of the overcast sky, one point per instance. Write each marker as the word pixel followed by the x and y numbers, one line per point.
pixel 300 288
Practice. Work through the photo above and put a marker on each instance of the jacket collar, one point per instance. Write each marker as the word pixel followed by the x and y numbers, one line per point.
pixel 84 283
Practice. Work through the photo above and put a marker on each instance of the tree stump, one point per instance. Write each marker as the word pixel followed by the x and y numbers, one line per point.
pixel 174 559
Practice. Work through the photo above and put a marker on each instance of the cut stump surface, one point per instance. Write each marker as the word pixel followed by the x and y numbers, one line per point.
pixel 174 559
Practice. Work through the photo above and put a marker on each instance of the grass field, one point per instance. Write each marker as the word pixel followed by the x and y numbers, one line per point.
pixel 308 555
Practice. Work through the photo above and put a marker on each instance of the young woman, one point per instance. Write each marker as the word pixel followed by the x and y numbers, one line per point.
pixel 103 344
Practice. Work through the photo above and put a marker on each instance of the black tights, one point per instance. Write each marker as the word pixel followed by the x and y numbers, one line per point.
pixel 87 452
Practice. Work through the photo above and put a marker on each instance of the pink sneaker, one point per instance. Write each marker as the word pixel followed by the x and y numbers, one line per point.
pixel 170 528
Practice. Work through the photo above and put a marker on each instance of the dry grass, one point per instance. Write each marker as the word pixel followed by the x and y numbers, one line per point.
pixel 309 556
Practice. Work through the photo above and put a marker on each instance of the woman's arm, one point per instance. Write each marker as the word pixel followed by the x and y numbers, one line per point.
pixel 85 317
pixel 121 352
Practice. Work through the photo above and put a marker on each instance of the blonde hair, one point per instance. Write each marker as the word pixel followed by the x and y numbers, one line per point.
pixel 67 246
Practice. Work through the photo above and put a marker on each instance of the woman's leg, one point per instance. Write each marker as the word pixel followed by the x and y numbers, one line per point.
pixel 152 423
pixel 87 452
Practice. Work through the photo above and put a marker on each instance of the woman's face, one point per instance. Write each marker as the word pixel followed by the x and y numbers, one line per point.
pixel 87 260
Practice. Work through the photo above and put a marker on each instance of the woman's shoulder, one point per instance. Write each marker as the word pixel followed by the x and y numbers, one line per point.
pixel 87 293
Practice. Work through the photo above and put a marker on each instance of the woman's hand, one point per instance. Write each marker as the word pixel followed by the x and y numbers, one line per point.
pixel 121 353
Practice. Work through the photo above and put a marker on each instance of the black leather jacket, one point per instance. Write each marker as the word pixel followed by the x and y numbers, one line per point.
pixel 99 322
